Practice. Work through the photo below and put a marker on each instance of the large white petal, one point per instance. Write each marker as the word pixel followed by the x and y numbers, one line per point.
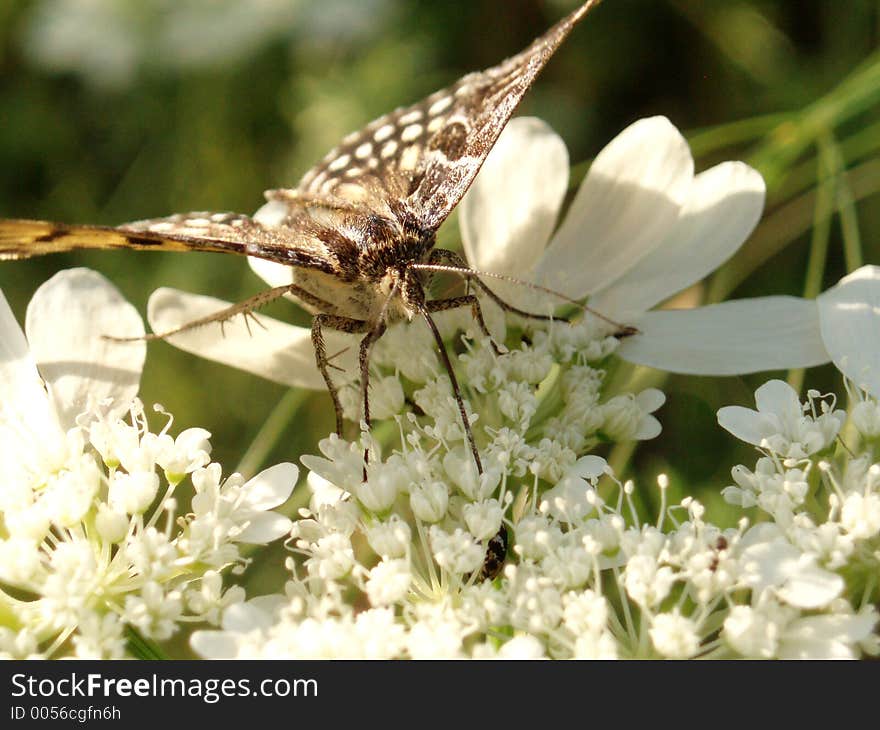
pixel 724 205
pixel 849 315
pixel 272 214
pixel 264 527
pixel 625 208
pixel 271 486
pixel 66 323
pixel 277 351
pixel 508 214
pixel 735 337
pixel 30 435
pixel 274 274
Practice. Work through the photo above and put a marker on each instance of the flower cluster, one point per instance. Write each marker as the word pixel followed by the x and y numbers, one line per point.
pixel 390 567
pixel 94 540
pixel 415 553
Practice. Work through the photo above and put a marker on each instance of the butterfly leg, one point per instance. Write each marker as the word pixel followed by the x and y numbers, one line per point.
pixel 222 316
pixel 456 390
pixel 342 324
pixel 442 255
pixel 468 300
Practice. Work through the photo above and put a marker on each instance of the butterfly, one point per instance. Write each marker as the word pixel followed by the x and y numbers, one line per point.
pixel 359 229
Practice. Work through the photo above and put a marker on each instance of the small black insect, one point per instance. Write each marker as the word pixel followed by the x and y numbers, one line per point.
pixel 496 554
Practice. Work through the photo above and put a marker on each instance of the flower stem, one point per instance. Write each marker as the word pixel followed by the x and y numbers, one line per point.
pixel 271 431
pixel 142 648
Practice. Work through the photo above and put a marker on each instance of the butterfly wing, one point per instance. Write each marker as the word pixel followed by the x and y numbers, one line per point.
pixel 219 232
pixel 427 155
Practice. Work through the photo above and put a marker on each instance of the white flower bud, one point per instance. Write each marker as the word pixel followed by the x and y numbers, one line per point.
pixel 674 636
pixel 483 519
pixel 384 482
pixel 133 493
pixel 390 539
pixel 429 502
pixel 112 526
pixel 389 582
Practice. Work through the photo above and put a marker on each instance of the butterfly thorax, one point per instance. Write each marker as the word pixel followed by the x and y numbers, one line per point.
pixel 370 276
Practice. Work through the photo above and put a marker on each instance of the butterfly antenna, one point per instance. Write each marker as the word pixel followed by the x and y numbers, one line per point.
pixel 623 330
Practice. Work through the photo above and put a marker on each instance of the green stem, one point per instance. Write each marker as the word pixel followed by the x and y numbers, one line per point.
pixel 142 648
pixel 783 226
pixel 825 196
pixel 271 431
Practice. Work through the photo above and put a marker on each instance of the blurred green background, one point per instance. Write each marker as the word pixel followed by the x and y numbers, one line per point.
pixel 115 110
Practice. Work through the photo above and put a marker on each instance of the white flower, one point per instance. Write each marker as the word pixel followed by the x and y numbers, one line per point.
pixel 429 501
pixel 765 333
pixel 770 630
pixel 674 636
pixel 781 424
pixel 771 563
pixel 63 367
pixel 388 582
pixel 860 515
pixel 457 552
pixel 641 228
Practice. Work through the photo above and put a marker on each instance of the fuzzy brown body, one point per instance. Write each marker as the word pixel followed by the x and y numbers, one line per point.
pixel 370 257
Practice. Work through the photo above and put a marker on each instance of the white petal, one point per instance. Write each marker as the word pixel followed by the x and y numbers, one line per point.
pixel 724 206
pixel 263 527
pixel 215 644
pixel 277 351
pixel 253 614
pixel 650 399
pixel 649 428
pixel 66 323
pixel 271 486
pixel 625 208
pixel 811 587
pixel 744 423
pixel 274 274
pixel 27 418
pixel 508 214
pixel 777 396
pixel 272 214
pixel 589 467
pixel 740 336
pixel 849 315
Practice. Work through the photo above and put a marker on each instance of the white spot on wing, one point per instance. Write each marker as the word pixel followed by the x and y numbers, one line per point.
pixel 351 191
pixel 365 150
pixel 410 117
pixel 339 163
pixel 435 124
pixel 389 149
pixel 384 132
pixel 412 132
pixel 410 157
pixel 439 106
